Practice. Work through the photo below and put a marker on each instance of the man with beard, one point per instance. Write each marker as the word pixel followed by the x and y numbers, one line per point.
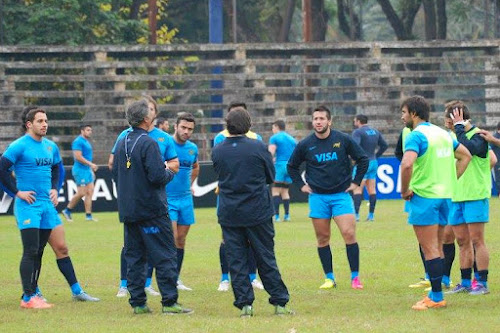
pixel 327 154
pixel 428 176
pixel 180 197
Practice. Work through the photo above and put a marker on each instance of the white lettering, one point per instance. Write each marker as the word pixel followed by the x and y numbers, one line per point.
pixel 5 203
pixel 386 184
pixel 101 190
pixel 72 189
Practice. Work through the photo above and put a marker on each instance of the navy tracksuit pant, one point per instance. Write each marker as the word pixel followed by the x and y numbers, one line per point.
pixel 261 238
pixel 154 240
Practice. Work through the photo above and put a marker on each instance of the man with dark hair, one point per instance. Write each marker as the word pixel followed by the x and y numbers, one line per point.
pixel 252 273
pixel 35 161
pixel 281 146
pixel 141 174
pixel 470 207
pixel 327 154
pixel 167 151
pixel 428 175
pixel 83 173
pixel 244 168
pixel 179 190
pixel 162 123
pixel 369 139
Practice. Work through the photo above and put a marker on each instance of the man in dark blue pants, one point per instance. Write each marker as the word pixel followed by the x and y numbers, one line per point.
pixel 244 167
pixel 141 175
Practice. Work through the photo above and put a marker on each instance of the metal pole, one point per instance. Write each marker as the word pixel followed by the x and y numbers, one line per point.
pixel 235 23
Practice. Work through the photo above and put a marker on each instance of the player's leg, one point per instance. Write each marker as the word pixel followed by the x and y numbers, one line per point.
pixel 476 231
pixel 372 195
pixel 57 241
pixel 80 193
pixel 320 212
pixel 89 193
pixel 449 254
pixel 276 194
pixel 461 233
pixel 224 267
pixel 358 198
pixel 180 243
pixel 122 291
pixel 285 197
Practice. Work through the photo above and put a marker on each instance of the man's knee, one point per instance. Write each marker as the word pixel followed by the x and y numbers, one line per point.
pixel 323 240
pixel 349 236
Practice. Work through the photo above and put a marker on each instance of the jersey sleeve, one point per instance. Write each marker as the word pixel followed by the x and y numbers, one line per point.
pixel 417 142
pixel 120 136
pixel 272 140
pixel 259 137
pixel 77 144
pixel 56 155
pixel 14 152
pixel 356 136
pixel 170 152
pixel 218 139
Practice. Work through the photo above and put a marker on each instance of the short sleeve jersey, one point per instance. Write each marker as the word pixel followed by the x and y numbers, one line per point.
pixel 164 141
pixel 83 145
pixel 285 144
pixel 188 156
pixel 33 161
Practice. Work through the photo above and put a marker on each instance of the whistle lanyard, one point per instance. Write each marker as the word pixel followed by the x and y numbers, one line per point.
pixel 127 155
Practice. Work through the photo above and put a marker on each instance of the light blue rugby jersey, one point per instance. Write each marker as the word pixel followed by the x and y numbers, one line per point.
pixel 33 161
pixel 164 141
pixel 285 144
pixel 83 145
pixel 181 184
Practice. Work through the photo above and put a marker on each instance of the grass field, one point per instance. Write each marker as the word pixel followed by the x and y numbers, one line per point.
pixel 389 262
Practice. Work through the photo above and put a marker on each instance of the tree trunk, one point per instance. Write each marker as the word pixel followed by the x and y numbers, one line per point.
pixel 430 19
pixel 442 20
pixel 394 20
pixel 487 25
pixel 134 9
pixel 287 22
pixel 320 20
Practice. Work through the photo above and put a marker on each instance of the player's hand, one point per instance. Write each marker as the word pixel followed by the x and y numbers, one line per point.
pixel 94 167
pixel 28 196
pixel 486 135
pixel 306 189
pixel 407 195
pixel 458 117
pixel 54 196
pixel 352 187
pixel 217 190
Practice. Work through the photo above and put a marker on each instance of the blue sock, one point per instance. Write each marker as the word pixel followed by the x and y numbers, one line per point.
pixel 27 298
pixel 148 283
pixel 466 283
pixel 252 276
pixel 371 216
pixel 88 215
pixel 123 283
pixel 225 277
pixel 446 280
pixel 37 291
pixel 476 275
pixel 76 289
pixel 330 276
pixel 354 275
pixel 436 296
pixel 427 276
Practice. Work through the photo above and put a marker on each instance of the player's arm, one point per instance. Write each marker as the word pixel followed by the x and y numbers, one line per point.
pixel 54 181
pixel 463 157
pixel 195 172
pixel 111 159
pixel 382 146
pixel 409 158
pixel 489 137
pixel 493 159
pixel 269 166
pixel 79 157
pixel 154 166
pixel 272 149
pixel 293 165
pixel 173 164
pixel 9 182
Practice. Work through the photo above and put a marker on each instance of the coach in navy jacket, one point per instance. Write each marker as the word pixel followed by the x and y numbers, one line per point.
pixel 244 167
pixel 141 176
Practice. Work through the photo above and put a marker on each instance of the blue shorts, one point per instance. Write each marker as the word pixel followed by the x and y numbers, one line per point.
pixel 325 206
pixel 39 215
pixel 371 173
pixel 426 211
pixel 469 212
pixel 82 177
pixel 282 173
pixel 181 209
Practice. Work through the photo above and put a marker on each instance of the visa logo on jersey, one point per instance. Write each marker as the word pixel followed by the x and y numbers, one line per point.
pixel 325 157
pixel 42 161
pixel 443 152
